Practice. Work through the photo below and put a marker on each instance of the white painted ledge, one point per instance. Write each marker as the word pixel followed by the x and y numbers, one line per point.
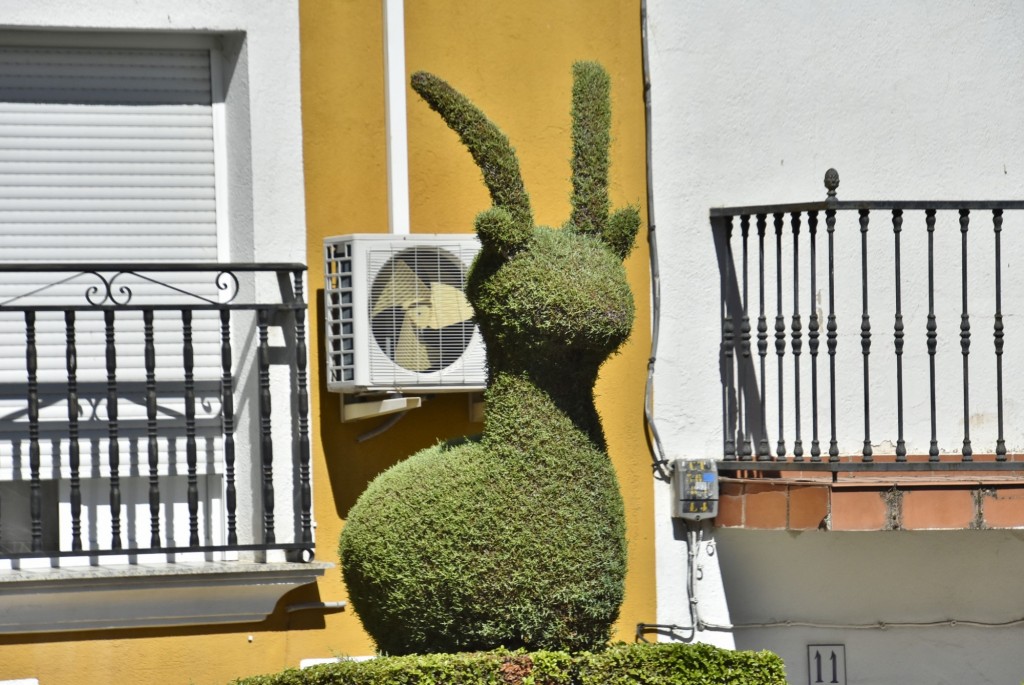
pixel 146 595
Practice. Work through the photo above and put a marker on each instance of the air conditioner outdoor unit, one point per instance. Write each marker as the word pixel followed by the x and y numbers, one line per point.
pixel 396 315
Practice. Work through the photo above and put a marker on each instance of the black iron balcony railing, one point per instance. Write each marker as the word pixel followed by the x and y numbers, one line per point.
pixel 141 410
pixel 906 397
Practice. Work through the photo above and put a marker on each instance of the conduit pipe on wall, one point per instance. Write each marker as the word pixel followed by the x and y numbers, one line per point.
pixel 658 450
pixel 396 134
pixel 318 606
pixel 396 127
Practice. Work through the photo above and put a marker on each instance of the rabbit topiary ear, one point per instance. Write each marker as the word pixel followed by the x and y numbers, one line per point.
pixel 591 140
pixel 499 232
pixel 490 150
pixel 591 137
pixel 620 231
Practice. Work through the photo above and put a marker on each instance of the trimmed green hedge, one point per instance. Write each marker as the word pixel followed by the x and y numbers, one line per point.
pixel 645 664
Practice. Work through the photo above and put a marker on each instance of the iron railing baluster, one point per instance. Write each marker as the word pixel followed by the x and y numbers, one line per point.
pixel 763 453
pixel 746 450
pixel 932 334
pixel 227 400
pixel 798 445
pixel 728 344
pixel 74 454
pixel 780 335
pixel 997 225
pixel 901 445
pixel 865 333
pixel 35 486
pixel 152 447
pixel 113 448
pixel 831 186
pixel 813 334
pixel 302 402
pixel 266 442
pixel 188 364
pixel 832 334
pixel 965 333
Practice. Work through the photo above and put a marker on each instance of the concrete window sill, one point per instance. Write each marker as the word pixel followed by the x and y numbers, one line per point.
pixel 146 595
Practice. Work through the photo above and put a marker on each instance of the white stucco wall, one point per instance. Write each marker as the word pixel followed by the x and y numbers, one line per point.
pixel 867 578
pixel 752 102
pixel 261 192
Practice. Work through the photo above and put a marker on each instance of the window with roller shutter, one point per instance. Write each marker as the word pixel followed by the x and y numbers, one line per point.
pixel 129 134
pixel 106 155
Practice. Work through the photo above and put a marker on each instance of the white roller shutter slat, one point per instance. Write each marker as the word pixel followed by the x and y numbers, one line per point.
pixel 64 58
pixel 92 131
pixel 44 116
pixel 101 144
pixel 106 155
pixel 69 182
pixel 74 201
pixel 67 160
pixel 86 170
pixel 113 229
pixel 84 216
pixel 69 109
pixel 107 192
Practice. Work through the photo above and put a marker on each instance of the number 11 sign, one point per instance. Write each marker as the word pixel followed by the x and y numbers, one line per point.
pixel 826 664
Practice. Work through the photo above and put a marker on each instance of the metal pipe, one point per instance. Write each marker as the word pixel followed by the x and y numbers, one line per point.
pixel 385 425
pixel 319 606
pixel 395 111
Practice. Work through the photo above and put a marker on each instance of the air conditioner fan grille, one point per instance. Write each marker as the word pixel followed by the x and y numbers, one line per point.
pixel 419 316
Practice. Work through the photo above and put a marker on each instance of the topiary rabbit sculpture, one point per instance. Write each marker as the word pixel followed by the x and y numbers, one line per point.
pixel 516 539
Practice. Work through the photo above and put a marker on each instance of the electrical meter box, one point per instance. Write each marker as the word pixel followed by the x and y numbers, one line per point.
pixel 695 489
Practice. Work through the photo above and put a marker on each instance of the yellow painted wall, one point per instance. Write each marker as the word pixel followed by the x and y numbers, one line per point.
pixel 513 58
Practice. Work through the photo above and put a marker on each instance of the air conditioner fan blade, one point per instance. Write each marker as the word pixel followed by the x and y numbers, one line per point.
pixel 446 306
pixel 410 353
pixel 402 289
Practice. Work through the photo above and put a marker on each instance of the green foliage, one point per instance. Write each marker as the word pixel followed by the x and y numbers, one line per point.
pixel 516 540
pixel 488 145
pixel 674 664
pixel 497 228
pixel 591 137
pixel 564 298
pixel 475 563
pixel 647 664
pixel 620 231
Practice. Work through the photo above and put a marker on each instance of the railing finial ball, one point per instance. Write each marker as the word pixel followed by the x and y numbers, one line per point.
pixel 831 182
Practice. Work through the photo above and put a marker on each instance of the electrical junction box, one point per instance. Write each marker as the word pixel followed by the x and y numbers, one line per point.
pixel 694 489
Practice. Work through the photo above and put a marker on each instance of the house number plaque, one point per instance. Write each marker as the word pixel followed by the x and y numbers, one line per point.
pixel 826 664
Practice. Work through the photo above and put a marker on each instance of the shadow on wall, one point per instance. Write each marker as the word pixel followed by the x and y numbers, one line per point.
pixel 351 464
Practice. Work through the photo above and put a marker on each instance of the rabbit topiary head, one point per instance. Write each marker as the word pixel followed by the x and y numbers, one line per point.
pixel 550 303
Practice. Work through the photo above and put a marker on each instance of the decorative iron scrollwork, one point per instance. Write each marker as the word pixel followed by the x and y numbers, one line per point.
pixel 227 281
pixel 91 291
pixel 111 291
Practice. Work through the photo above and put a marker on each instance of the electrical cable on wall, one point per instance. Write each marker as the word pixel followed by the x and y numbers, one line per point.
pixel 658 455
